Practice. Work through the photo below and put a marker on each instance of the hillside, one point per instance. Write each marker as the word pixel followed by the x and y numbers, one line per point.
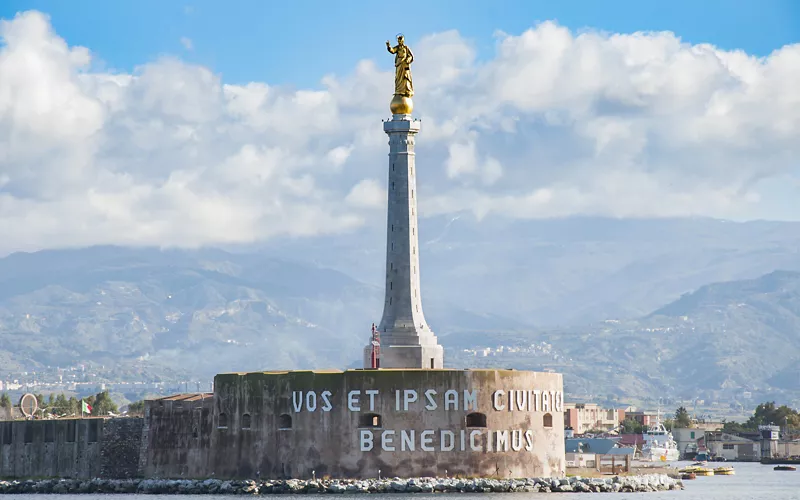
pixel 719 341
pixel 556 292
pixel 179 312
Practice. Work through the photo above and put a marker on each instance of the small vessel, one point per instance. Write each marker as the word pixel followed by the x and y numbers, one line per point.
pixel 724 471
pixel 697 471
pixel 784 467
pixel 658 443
pixel 688 475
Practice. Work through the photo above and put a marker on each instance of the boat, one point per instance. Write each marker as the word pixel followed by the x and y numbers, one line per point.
pixel 784 467
pixel 794 460
pixel 697 471
pixel 688 475
pixel 724 471
pixel 658 443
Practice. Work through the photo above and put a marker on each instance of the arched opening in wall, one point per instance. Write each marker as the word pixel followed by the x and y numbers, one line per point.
pixel 372 420
pixel 223 421
pixel 246 421
pixel 547 420
pixel 476 420
pixel 285 422
pixel 195 433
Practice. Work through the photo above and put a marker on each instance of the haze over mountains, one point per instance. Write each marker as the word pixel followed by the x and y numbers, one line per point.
pixel 586 296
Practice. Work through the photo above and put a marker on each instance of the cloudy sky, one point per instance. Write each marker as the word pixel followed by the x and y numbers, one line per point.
pixel 198 124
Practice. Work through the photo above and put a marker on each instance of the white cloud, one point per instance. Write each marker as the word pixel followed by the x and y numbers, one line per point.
pixel 555 124
pixel 368 193
pixel 187 43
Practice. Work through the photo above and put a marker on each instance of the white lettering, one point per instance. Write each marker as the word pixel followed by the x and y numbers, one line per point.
pixel 386 440
pixel 352 400
pixel 451 399
pixel 516 440
pixel 425 440
pixel 371 393
pixel 311 401
pixel 407 440
pixel 451 437
pixel 463 435
pixel 396 400
pixel 429 394
pixel 496 399
pixel 470 400
pixel 297 401
pixel 522 400
pixel 545 401
pixel 472 444
pixel 327 406
pixel 537 399
pixel 366 440
pixel 559 401
pixel 528 440
pixel 409 396
pixel 511 400
pixel 502 441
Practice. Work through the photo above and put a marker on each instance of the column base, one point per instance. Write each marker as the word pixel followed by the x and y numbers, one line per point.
pixel 407 356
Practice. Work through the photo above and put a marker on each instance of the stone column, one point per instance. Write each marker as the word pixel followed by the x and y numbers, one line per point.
pixel 406 339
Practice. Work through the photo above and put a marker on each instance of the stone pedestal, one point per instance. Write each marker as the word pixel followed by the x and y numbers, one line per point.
pixel 406 339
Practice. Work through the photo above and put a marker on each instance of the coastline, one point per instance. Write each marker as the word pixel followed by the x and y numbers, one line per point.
pixel 634 484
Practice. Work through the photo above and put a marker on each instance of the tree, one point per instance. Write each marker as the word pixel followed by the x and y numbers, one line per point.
pixel 631 426
pixel 136 408
pixel 5 401
pixel 102 404
pixel 682 418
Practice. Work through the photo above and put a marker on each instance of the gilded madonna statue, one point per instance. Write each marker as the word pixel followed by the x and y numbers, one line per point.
pixel 403 85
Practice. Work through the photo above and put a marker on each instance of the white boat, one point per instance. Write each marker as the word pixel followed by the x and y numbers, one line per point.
pixel 658 444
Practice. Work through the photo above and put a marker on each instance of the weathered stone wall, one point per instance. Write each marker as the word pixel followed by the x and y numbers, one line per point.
pixel 410 423
pixel 62 448
pixel 177 438
pixel 120 446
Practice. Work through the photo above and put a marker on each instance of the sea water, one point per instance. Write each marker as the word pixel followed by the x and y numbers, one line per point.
pixel 752 481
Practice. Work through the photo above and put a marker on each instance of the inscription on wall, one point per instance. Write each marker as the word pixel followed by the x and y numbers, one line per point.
pixel 476 439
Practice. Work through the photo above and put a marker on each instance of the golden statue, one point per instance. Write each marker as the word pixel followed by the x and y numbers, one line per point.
pixel 403 87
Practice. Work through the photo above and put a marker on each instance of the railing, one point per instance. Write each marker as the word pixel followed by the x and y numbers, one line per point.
pixel 613 464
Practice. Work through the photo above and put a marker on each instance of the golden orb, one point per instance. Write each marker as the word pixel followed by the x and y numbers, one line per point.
pixel 401 105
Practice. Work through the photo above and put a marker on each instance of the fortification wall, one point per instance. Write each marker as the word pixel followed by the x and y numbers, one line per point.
pixel 177 438
pixel 500 423
pixel 69 448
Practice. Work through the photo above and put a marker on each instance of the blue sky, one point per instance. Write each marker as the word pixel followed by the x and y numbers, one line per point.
pixel 297 42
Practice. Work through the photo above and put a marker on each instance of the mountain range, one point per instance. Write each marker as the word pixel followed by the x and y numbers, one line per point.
pixel 685 307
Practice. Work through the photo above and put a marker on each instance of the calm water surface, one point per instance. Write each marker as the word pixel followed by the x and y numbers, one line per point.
pixel 751 482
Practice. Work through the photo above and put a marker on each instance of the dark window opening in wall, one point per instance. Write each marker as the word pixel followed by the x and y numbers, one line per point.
pixel 195 433
pixel 7 435
pixel 223 421
pixel 370 420
pixel 390 286
pixel 432 363
pixel 391 266
pixel 392 167
pixel 390 301
pixel 71 430
pixel 246 421
pixel 412 193
pixel 92 430
pixel 285 422
pixel 29 432
pixel 393 245
pixel 474 419
pixel 392 184
pixel 413 231
pixel 392 227
pixel 547 420
pixel 49 432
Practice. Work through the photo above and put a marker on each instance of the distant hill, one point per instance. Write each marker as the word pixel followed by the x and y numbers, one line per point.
pixel 722 339
pixel 177 312
pixel 585 296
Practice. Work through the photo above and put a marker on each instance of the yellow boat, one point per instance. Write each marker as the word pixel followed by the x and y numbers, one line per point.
pixel 724 471
pixel 699 471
